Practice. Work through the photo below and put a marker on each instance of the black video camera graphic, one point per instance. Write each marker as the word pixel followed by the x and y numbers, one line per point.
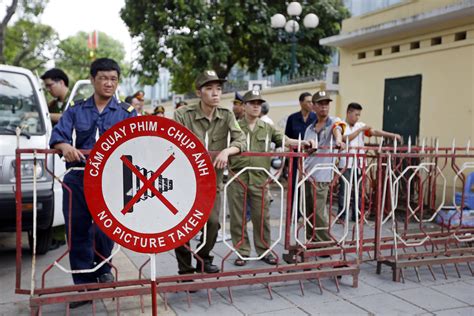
pixel 132 183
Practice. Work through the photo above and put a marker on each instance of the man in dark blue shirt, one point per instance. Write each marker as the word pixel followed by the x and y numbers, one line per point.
pixel 79 128
pixel 296 126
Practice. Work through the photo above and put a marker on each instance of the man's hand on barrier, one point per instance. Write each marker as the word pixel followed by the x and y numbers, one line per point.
pixel 221 159
pixel 309 145
pixel 340 144
pixel 70 153
pixel 399 138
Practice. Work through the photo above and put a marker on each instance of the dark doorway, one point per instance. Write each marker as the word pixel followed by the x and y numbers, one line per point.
pixel 401 108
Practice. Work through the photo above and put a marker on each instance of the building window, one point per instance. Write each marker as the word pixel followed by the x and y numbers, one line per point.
pixel 414 45
pixel 395 49
pixel 378 52
pixel 436 41
pixel 460 36
pixel 335 77
pixel 361 55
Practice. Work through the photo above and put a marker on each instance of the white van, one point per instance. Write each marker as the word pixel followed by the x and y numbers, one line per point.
pixel 22 104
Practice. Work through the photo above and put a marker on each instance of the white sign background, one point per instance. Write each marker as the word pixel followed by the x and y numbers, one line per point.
pixel 150 215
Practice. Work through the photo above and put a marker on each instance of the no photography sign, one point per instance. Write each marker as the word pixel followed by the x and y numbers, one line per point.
pixel 149 184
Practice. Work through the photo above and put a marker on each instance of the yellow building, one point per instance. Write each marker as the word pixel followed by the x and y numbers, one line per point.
pixel 411 66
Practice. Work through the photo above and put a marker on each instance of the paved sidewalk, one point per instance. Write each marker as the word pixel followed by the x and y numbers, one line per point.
pixel 376 294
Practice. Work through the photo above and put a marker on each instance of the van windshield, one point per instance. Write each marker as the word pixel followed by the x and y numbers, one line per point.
pixel 19 105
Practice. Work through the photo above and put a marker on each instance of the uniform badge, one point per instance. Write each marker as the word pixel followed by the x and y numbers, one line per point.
pixel 255 92
pixel 211 73
pixel 322 93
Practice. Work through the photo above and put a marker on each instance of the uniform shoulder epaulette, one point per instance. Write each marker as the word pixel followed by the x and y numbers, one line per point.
pixel 77 102
pixel 127 107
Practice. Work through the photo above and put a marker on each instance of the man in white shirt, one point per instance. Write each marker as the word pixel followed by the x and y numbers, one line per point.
pixel 355 132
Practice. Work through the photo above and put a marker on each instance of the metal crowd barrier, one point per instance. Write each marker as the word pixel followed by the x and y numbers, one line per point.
pixel 395 198
pixel 43 292
pixel 424 224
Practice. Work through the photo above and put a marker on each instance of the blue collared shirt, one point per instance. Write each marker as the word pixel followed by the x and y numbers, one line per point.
pixel 295 125
pixel 86 120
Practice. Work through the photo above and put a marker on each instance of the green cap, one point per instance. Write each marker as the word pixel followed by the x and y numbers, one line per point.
pixel 321 96
pixel 205 77
pixel 253 95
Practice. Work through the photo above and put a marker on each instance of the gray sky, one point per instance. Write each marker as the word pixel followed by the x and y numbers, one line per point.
pixel 68 17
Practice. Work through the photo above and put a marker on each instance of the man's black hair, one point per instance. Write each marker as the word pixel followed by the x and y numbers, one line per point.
pixel 354 106
pixel 104 64
pixel 265 108
pixel 56 74
pixel 129 99
pixel 304 95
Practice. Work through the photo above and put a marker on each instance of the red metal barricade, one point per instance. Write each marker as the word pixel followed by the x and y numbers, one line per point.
pixel 344 247
pixel 412 198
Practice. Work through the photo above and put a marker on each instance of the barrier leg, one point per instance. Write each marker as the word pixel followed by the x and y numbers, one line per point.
pixel 154 308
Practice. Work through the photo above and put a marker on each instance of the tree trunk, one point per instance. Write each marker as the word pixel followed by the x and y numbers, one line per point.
pixel 3 26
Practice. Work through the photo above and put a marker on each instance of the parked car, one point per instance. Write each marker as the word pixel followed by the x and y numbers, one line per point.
pixel 23 105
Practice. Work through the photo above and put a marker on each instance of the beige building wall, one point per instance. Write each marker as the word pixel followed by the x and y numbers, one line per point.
pixel 431 38
pixel 447 86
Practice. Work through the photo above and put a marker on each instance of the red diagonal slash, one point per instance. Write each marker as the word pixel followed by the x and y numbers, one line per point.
pixel 148 184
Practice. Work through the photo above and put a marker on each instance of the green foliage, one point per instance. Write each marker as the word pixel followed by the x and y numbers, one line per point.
pixel 29 44
pixel 27 10
pixel 31 9
pixel 189 36
pixel 73 55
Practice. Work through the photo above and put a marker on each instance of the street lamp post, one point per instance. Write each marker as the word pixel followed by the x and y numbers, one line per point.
pixel 278 21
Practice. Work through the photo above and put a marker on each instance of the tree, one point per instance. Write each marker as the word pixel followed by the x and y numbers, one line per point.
pixel 73 55
pixel 29 44
pixel 222 34
pixel 28 10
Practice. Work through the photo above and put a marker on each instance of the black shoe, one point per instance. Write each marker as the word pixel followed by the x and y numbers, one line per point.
pixel 73 305
pixel 270 259
pixel 208 267
pixel 106 278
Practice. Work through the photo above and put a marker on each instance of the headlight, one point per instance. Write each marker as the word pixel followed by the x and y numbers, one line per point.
pixel 27 169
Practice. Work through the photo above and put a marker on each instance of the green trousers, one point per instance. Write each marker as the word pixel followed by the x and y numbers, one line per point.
pixel 184 256
pixel 238 221
pixel 318 207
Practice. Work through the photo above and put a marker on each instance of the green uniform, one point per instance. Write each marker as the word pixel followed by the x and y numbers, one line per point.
pixel 318 208
pixel 262 135
pixel 222 123
pixel 56 106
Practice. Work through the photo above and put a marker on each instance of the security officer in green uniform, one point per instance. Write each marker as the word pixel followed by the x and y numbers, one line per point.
pixel 260 135
pixel 211 124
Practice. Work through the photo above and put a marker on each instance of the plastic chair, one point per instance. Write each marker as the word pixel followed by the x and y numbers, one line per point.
pixel 468 194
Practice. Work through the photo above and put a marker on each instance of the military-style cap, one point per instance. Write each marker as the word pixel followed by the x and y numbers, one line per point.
pixel 238 97
pixel 159 109
pixel 321 96
pixel 205 77
pixel 253 95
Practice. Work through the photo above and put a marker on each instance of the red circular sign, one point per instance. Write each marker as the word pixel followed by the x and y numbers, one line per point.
pixel 149 184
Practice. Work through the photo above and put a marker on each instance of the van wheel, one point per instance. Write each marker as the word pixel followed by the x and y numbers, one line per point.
pixel 43 240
